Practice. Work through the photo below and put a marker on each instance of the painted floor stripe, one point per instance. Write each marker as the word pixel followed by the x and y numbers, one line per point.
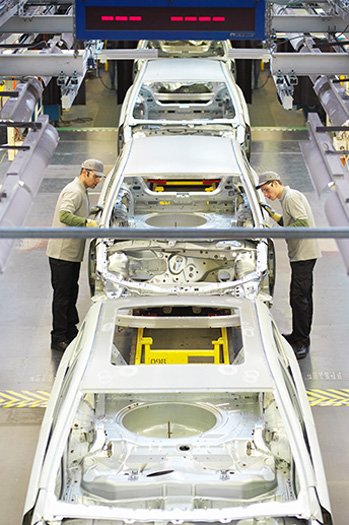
pixel 24 399
pixel 39 398
pixel 279 128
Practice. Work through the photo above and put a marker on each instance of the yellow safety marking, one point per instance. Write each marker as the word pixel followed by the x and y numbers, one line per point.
pixel 331 397
pixel 24 399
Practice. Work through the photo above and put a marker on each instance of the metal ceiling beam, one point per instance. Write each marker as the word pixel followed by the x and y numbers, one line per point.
pixel 249 53
pixel 308 24
pixel 21 108
pixel 54 24
pixel 48 24
pixel 44 3
pixel 304 64
pixel 36 63
pixel 127 54
pixel 23 179
pixel 7 11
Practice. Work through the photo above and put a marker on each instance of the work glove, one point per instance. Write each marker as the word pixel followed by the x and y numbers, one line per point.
pixel 91 223
pixel 272 213
pixel 96 209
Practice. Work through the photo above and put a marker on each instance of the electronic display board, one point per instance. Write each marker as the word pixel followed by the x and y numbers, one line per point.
pixel 170 19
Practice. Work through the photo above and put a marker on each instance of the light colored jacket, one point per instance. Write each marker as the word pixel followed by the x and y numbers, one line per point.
pixel 74 199
pixel 295 206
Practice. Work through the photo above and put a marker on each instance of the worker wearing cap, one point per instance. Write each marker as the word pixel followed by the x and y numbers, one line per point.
pixel 65 255
pixel 302 253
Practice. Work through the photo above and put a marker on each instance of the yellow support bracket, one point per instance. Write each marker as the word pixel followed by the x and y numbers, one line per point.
pixel 145 354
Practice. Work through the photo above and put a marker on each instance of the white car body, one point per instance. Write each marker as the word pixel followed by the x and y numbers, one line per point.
pixel 195 443
pixel 185 95
pixel 213 49
pixel 180 181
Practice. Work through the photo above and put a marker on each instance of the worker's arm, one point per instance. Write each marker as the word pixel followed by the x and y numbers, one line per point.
pixel 272 213
pixel 300 222
pixel 68 218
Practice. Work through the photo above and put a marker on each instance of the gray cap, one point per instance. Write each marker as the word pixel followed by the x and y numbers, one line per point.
pixel 94 165
pixel 267 176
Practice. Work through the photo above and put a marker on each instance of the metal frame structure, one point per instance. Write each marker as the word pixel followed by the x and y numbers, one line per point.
pixel 194 442
pixel 23 179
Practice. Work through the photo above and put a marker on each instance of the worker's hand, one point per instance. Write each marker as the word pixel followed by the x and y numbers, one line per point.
pixel 91 223
pixel 272 213
pixel 267 208
pixel 96 209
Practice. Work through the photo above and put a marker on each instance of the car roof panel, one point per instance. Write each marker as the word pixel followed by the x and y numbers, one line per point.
pixel 253 374
pixel 183 69
pixel 184 154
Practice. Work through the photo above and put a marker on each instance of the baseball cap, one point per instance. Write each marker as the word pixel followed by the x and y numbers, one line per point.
pixel 267 176
pixel 94 165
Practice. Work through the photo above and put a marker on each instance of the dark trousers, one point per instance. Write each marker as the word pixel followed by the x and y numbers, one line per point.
pixel 301 300
pixel 64 280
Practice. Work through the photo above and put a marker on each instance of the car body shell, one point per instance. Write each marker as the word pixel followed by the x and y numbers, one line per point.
pixel 233 442
pixel 213 49
pixel 181 181
pixel 185 95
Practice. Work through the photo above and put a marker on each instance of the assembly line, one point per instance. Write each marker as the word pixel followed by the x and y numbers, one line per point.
pixel 36 369
pixel 186 319
pixel 166 358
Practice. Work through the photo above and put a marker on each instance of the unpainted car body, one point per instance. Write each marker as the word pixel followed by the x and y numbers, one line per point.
pixel 213 49
pixel 179 181
pixel 126 442
pixel 185 95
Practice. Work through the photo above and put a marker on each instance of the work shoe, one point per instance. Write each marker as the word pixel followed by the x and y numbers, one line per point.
pixel 301 351
pixel 60 346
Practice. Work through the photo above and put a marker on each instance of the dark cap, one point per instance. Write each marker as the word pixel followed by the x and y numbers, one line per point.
pixel 267 176
pixel 94 165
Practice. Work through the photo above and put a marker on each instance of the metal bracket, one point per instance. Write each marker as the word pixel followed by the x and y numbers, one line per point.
pixel 19 124
pixel 20 148
pixel 48 24
pixel 42 64
pixel 324 129
pixel 293 23
pixel 10 94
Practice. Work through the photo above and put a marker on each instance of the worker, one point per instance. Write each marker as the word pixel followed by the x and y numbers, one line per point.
pixel 302 253
pixel 65 255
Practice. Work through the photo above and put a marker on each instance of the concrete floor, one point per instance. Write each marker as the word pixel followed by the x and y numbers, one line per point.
pixel 29 366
